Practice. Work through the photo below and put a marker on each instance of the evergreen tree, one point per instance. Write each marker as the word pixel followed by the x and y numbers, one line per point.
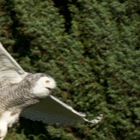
pixel 91 48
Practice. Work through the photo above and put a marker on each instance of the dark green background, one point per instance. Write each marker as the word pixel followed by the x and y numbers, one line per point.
pixel 92 49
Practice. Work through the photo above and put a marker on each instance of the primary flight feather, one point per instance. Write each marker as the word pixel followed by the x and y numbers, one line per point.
pixel 28 95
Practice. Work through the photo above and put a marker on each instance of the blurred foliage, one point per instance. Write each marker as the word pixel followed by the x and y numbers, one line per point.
pixel 92 49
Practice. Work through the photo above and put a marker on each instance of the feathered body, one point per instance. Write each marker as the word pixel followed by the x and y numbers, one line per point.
pixel 14 98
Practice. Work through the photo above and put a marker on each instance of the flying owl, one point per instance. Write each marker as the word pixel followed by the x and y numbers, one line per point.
pixel 29 95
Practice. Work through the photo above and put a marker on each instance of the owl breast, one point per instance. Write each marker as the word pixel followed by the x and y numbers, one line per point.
pixel 9 118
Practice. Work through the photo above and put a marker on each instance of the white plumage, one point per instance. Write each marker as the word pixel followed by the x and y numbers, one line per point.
pixel 28 95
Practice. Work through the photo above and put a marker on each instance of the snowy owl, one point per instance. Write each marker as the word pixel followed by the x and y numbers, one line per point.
pixel 29 95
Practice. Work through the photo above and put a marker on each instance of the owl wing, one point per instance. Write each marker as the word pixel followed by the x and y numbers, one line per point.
pixel 53 111
pixel 9 68
pixel 49 110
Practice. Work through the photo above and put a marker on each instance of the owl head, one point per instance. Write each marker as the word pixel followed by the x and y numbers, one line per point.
pixel 41 84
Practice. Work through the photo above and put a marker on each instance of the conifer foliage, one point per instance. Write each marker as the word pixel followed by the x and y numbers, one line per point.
pixel 92 49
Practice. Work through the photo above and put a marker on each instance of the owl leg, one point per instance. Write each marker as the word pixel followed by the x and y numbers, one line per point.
pixel 3 129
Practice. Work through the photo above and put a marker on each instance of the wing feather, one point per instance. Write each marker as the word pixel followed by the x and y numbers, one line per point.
pixel 10 70
pixel 53 111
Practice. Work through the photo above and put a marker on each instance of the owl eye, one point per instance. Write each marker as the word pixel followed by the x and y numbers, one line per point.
pixel 47 81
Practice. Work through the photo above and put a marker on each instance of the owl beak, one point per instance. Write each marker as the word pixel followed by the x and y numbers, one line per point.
pixel 49 88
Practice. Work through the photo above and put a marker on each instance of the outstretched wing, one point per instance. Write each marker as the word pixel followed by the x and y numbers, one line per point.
pixel 9 68
pixel 51 110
